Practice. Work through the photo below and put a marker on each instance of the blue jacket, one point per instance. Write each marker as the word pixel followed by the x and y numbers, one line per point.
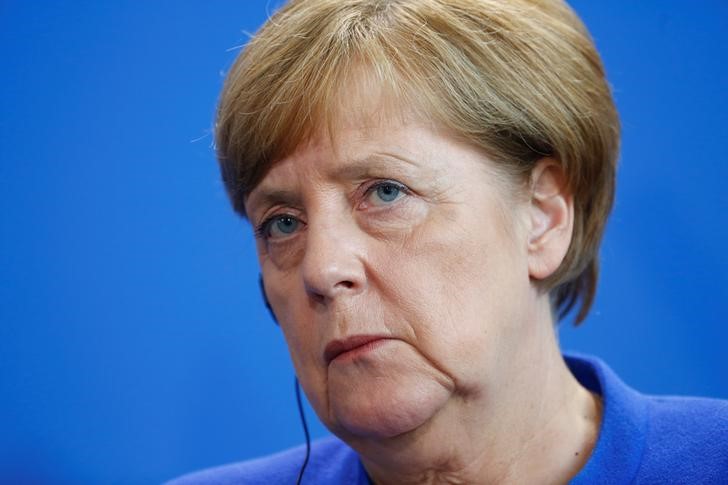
pixel 642 440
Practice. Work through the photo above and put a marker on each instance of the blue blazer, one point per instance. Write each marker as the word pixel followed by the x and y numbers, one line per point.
pixel 642 439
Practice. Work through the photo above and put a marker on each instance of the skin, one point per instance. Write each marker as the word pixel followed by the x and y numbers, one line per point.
pixel 399 230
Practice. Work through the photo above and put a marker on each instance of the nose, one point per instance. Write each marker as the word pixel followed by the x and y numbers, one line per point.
pixel 333 264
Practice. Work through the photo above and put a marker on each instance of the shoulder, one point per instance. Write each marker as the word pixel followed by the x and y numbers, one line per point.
pixel 331 461
pixel 647 439
pixel 685 437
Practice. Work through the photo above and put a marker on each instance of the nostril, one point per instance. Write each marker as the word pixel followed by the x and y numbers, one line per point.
pixel 321 297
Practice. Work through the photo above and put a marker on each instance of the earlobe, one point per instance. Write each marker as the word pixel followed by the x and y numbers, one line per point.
pixel 551 218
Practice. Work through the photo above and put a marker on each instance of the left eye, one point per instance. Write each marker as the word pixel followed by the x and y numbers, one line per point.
pixel 278 227
pixel 385 193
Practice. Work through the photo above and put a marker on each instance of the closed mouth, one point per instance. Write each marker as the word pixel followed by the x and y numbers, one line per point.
pixel 336 348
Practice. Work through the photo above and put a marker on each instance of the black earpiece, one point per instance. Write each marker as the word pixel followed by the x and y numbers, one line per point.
pixel 265 299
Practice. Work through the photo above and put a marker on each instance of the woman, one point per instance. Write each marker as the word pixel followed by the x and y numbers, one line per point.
pixel 429 182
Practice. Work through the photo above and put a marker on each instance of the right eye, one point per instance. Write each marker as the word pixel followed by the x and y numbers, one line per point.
pixel 278 227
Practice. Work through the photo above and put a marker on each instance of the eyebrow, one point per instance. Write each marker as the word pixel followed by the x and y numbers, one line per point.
pixel 369 164
pixel 268 198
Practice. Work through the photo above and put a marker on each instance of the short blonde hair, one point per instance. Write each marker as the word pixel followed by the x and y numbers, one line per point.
pixel 520 79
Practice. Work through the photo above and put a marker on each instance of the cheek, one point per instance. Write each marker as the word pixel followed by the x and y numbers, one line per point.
pixel 457 256
pixel 298 326
pixel 303 348
pixel 458 283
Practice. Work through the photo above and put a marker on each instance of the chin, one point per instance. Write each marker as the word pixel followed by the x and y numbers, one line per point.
pixel 382 408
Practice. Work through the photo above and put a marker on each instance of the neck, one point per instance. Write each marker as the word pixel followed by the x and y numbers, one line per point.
pixel 531 422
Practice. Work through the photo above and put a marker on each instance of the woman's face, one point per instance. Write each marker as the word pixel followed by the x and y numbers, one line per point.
pixel 395 261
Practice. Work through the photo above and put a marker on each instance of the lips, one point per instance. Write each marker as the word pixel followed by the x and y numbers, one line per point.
pixel 335 348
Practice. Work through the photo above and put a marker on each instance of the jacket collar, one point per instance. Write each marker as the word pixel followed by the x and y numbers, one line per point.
pixel 618 452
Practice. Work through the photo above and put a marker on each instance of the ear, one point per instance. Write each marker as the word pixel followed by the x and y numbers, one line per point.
pixel 552 219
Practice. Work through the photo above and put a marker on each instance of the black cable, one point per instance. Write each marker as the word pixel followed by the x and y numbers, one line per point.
pixel 265 299
pixel 305 431
pixel 298 390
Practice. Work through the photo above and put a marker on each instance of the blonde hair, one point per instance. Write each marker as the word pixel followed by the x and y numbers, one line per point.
pixel 520 79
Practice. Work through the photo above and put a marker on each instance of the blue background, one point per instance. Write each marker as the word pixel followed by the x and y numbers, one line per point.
pixel 133 342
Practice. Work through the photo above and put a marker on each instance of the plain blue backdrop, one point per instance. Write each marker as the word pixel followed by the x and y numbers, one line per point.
pixel 134 345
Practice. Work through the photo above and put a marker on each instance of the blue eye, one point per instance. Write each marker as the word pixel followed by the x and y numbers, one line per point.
pixel 385 193
pixel 279 226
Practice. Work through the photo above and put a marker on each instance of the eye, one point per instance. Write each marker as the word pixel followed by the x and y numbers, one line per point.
pixel 278 227
pixel 385 193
